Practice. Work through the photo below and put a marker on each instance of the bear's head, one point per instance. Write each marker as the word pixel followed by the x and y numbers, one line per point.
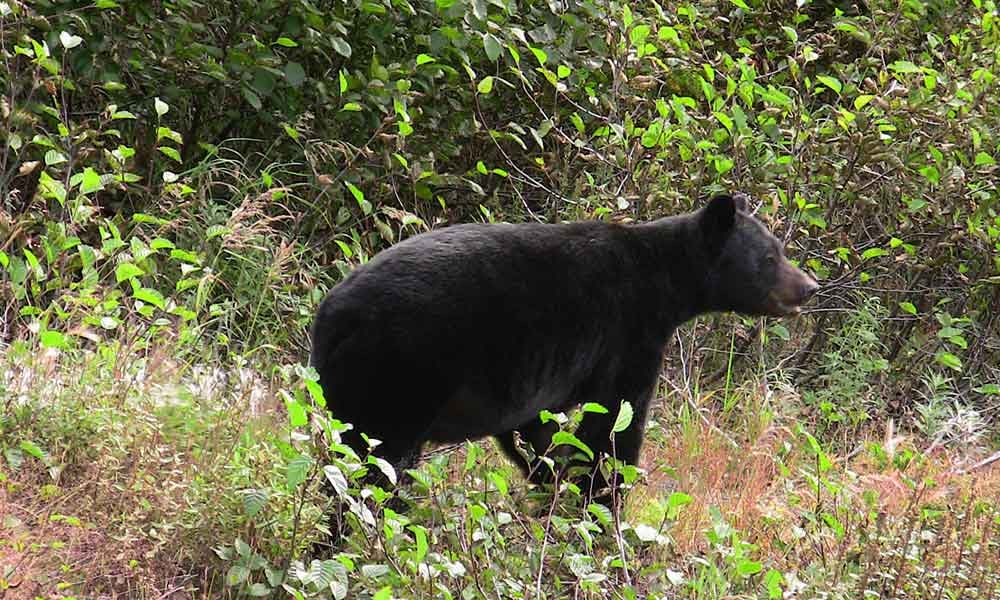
pixel 747 271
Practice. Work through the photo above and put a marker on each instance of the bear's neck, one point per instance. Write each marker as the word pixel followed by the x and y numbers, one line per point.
pixel 671 254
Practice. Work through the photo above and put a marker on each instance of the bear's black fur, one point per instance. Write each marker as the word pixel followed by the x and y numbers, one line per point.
pixel 472 330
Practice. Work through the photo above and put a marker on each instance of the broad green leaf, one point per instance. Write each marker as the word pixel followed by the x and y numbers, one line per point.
pixel 296 412
pixel 624 418
pixel 982 160
pixel 540 54
pixel 908 307
pixel 565 438
pixel 747 567
pixel 127 270
pixel 485 86
pixel 296 470
pixel 859 103
pixel 638 35
pixel 170 152
pixel 949 360
pixel 420 535
pixel 150 296
pixel 295 74
pixel 52 339
pixel 286 42
pixel 423 59
pixel 91 182
pixel 160 107
pixel 831 82
pixel 343 82
pixel 341 46
pixel 254 499
pixel 492 47
pixel 69 41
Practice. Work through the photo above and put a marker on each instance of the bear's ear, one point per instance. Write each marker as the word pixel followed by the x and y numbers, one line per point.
pixel 718 218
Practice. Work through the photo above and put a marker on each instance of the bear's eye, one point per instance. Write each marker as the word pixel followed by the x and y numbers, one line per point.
pixel 770 259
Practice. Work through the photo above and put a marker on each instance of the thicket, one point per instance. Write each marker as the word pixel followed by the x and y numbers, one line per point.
pixel 181 181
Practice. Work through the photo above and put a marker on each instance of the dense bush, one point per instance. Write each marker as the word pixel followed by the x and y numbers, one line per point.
pixel 224 153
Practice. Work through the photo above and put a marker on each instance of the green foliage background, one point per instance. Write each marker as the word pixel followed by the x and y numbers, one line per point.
pixel 209 163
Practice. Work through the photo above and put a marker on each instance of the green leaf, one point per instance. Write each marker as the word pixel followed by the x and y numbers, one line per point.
pixel 359 196
pixel 170 152
pixel 51 188
pixel 831 82
pixel 52 339
pixel 565 438
pixel 949 360
pixel 675 502
pixel 254 499
pixel 286 42
pixel 485 86
pixel 295 74
pixel 908 307
pixel 296 470
pixel 862 101
pixel 150 296
pixel 746 567
pixel 904 66
pixel 32 448
pixel 540 54
pixel 336 478
pixel 593 407
pixel 69 41
pixel 873 253
pixel 252 98
pixel 780 331
pixel 160 107
pixel 638 35
pixel 54 157
pixel 741 4
pixel 931 173
pixel 420 535
pixel 343 82
pixel 624 418
pixel 384 466
pixel 383 594
pixel 341 46
pixel 990 389
pixel 236 575
pixel 127 270
pixel 492 47
pixel 423 59
pixel 603 513
pixel 982 160
pixel 296 412
pixel 773 581
pixel 352 107
pixel 91 182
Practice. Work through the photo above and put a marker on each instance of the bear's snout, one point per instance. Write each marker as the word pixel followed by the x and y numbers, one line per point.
pixel 794 289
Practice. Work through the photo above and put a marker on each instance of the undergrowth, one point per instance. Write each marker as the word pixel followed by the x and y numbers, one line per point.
pixel 140 477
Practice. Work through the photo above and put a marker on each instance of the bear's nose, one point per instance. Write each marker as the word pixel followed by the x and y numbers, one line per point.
pixel 809 289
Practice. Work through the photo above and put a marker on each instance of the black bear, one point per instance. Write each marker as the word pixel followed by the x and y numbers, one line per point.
pixel 472 330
